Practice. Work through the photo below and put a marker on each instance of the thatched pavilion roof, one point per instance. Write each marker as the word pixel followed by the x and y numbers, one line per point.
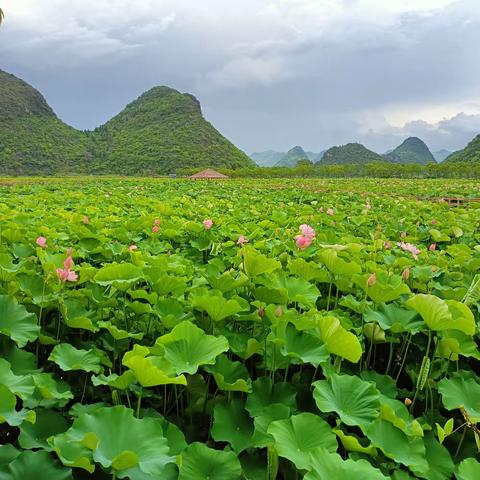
pixel 208 173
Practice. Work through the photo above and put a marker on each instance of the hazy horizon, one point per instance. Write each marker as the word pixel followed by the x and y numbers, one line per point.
pixel 269 75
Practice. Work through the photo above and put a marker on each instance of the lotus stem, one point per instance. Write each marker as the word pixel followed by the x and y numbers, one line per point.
pixel 139 402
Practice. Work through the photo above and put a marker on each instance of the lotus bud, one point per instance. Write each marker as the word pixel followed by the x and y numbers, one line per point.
pixel 372 279
pixel 432 247
pixel 407 402
pixel 406 273
pixel 261 312
pixel 278 311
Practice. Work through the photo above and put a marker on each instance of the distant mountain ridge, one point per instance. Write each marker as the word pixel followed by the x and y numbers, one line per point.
pixel 411 150
pixel 272 158
pixel 157 133
pixel 351 153
pixel 441 155
pixel 469 154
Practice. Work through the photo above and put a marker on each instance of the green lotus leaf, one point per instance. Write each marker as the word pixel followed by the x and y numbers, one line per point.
pixel 127 446
pixel 231 376
pixel 8 453
pixel 151 371
pixel 47 423
pixel 67 357
pixel 461 391
pixel 264 393
pixel 352 444
pixel 454 343
pixel 394 318
pixel 298 435
pixel 276 411
pixel 297 289
pixel 187 347
pixel 120 275
pixel 397 414
pixel 8 412
pixel 117 333
pixel 225 282
pixel 409 451
pixel 439 461
pixel 443 314
pixel 232 424
pixel 216 306
pixel 304 345
pixel 438 236
pixel 325 465
pixel 16 322
pixel 337 265
pixel 473 293
pixel 307 270
pixel 255 263
pixel 338 340
pixel 49 392
pixel 202 463
pixel 468 469
pixel 77 316
pixel 35 465
pixel 386 289
pixel 355 401
pixel 20 385
pixel 21 362
pixel 384 383
pixel 122 382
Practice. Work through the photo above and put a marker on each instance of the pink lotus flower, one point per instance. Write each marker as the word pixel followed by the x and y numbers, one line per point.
pixel 432 247
pixel 408 247
pixel 66 274
pixel 330 211
pixel 132 248
pixel 303 242
pixel 155 229
pixel 320 209
pixel 85 220
pixel 41 242
pixel 367 205
pixel 207 223
pixel 406 273
pixel 156 222
pixel 372 279
pixel 388 245
pixel 307 231
pixel 68 263
pixel 242 240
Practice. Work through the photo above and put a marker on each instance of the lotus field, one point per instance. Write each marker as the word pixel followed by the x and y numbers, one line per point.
pixel 240 329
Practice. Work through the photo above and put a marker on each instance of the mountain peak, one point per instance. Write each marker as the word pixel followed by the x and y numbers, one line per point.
pixel 351 153
pixel 411 150
pixel 19 99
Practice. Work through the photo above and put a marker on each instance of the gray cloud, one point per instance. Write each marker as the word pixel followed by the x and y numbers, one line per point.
pixel 269 73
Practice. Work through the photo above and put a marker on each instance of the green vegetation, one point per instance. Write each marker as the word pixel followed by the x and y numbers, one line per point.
pixel 292 157
pixel 268 158
pixel 412 150
pixel 314 329
pixel 158 133
pixel 351 153
pixel 469 155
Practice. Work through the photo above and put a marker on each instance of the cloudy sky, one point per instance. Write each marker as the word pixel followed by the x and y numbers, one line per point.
pixel 270 74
